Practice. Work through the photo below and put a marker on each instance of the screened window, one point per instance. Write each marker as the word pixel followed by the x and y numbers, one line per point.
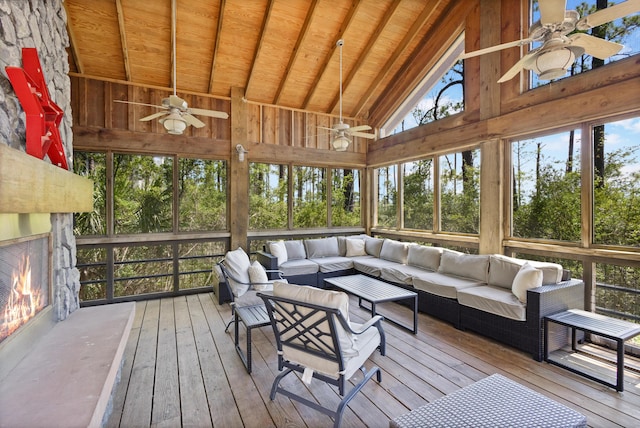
pixel 94 167
pixel 268 195
pixel 417 181
pixel 345 197
pixel 309 197
pixel 202 198
pixel 546 187
pixel 460 192
pixel 142 193
pixel 387 196
pixel 616 182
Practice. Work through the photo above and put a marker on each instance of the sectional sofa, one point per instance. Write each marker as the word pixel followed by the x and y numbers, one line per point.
pixel 501 297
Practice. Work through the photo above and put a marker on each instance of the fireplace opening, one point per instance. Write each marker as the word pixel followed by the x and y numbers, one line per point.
pixel 24 281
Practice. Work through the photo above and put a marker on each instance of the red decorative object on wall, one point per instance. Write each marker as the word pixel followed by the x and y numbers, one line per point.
pixel 43 115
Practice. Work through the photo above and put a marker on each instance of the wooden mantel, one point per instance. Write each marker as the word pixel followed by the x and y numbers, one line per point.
pixel 30 185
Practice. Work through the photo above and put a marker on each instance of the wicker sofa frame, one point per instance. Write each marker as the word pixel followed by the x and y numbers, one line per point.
pixel 526 335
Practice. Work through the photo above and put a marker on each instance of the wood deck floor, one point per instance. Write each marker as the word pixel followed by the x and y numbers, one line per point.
pixel 181 369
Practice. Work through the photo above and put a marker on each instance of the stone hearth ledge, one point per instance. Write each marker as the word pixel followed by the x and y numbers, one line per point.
pixel 67 379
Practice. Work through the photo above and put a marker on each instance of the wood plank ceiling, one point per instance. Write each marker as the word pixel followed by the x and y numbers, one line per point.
pixel 283 52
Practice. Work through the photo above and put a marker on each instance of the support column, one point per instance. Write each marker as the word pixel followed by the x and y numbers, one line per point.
pixel 491 197
pixel 238 173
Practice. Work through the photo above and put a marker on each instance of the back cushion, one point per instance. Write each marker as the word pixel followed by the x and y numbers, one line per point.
pixel 342 245
pixel 328 298
pixel 394 251
pixel 295 250
pixel 355 247
pixel 373 246
pixel 237 263
pixel 322 247
pixel 424 257
pixel 503 270
pixel 465 265
pixel 278 250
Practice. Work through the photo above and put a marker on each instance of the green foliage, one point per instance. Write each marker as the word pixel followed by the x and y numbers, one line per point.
pixel 418 195
pixel 460 192
pixel 345 198
pixel 202 197
pixel 268 190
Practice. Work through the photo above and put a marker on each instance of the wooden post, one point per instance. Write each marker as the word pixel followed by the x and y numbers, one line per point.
pixel 239 173
pixel 491 197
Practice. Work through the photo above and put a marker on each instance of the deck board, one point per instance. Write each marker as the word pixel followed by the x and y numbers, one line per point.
pixel 181 369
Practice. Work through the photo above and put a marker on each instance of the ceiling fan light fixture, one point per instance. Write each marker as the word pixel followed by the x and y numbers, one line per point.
pixel 553 63
pixel 174 123
pixel 340 143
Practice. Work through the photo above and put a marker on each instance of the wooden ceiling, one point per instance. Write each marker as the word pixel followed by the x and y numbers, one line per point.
pixel 282 51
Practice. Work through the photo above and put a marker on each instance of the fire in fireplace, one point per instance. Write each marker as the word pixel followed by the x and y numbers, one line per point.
pixel 24 281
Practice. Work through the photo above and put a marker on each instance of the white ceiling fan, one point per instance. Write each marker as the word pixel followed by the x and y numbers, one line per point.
pixel 177 114
pixel 558 50
pixel 342 133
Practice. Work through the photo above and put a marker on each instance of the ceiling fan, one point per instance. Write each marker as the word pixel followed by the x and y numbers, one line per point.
pixel 559 50
pixel 342 133
pixel 177 114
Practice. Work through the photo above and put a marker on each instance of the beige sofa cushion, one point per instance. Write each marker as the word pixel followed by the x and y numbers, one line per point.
pixel 373 245
pixel 503 270
pixel 424 257
pixel 298 267
pixel 465 265
pixel 394 251
pixel 443 285
pixel 355 247
pixel 278 250
pixel 295 250
pixel 495 300
pixel 322 247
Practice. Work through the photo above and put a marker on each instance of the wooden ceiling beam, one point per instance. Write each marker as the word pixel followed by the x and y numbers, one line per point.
pixel 123 40
pixel 73 41
pixel 424 17
pixel 256 54
pixel 304 32
pixel 363 55
pixel 345 25
pixel 217 44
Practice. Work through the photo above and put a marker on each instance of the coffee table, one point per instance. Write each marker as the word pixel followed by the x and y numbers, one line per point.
pixel 375 291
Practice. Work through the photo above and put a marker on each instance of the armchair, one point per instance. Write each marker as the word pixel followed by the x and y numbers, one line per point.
pixel 244 279
pixel 315 337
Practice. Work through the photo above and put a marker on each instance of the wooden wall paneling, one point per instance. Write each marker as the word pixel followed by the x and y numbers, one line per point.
pixel 77 98
pixel 141 94
pixel 254 123
pixel 299 129
pixel 515 26
pixel 200 102
pixel 269 125
pixel 324 136
pixel 119 111
pixel 311 131
pixel 490 63
pixel 284 129
pixel 222 126
pixel 95 103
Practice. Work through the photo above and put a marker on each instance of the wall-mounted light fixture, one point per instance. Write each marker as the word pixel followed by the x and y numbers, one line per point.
pixel 241 151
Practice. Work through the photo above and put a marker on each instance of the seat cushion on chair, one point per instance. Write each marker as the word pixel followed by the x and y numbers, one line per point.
pixel 356 349
pixel 237 264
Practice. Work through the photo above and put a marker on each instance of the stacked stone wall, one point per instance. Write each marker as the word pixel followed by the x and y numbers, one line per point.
pixel 41 24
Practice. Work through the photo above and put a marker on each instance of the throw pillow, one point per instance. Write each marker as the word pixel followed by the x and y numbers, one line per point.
pixel 278 249
pixel 527 277
pixel 257 274
pixel 355 247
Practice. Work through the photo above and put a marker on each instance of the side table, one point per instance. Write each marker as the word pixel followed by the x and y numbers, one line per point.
pixel 252 317
pixel 600 325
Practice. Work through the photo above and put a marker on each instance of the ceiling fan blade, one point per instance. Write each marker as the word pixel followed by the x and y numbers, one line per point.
pixel 495 48
pixel 362 135
pixel 513 71
pixel 140 104
pixel 154 116
pixel 595 46
pixel 176 101
pixel 552 11
pixel 360 128
pixel 209 113
pixel 608 14
pixel 192 120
